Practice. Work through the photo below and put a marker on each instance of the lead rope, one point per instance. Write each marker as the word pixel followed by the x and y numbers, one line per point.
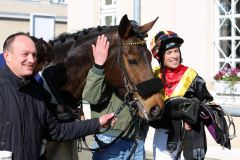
pixel 136 123
pixel 105 145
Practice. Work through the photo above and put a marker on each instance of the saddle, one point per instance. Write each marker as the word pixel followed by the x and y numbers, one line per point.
pixel 212 116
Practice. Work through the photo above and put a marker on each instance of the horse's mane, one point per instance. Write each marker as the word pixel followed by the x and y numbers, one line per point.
pixel 82 35
pixel 68 46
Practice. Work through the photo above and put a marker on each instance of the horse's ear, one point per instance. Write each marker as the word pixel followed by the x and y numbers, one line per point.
pixel 146 27
pixel 124 27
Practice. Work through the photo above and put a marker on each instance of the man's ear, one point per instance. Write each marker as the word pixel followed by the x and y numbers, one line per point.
pixel 6 56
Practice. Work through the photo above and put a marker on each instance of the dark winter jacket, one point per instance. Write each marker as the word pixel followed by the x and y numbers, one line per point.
pixel 25 119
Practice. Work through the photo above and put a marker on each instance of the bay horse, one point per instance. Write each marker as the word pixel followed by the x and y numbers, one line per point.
pixel 128 66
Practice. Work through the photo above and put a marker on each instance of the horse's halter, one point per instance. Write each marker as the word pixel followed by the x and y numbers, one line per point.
pixel 153 84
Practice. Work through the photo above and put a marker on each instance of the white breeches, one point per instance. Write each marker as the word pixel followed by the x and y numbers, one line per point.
pixel 160 151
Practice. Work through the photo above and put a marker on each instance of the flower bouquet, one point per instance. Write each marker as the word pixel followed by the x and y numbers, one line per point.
pixel 228 81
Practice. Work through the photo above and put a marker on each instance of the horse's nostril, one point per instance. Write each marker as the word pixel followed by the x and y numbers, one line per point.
pixel 155 111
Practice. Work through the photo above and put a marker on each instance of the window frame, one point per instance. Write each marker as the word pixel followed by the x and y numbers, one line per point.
pixel 108 10
pixel 231 16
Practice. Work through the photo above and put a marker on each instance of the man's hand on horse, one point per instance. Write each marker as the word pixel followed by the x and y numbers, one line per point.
pixel 100 50
pixel 106 120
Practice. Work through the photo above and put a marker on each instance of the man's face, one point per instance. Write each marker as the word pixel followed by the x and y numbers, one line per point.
pixel 21 57
pixel 172 58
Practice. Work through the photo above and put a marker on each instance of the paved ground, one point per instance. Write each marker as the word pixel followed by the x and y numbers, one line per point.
pixel 85 155
pixel 213 154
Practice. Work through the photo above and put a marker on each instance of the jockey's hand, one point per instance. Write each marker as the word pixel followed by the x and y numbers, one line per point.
pixel 187 127
pixel 107 119
pixel 100 51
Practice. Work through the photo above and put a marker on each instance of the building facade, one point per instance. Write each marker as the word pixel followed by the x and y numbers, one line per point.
pixel 15 15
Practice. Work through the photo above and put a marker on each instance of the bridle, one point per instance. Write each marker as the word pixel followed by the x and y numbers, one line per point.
pixel 154 84
pixel 130 88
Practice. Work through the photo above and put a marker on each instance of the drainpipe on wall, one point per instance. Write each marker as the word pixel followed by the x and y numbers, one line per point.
pixel 137 10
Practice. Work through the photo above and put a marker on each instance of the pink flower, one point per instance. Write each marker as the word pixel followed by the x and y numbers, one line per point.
pixel 228 74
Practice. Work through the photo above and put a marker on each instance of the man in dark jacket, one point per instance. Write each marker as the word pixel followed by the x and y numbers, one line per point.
pixel 24 117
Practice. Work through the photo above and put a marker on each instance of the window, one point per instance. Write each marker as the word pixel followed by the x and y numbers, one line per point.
pixel 59 1
pixel 227 41
pixel 108 2
pixel 108 12
pixel 108 20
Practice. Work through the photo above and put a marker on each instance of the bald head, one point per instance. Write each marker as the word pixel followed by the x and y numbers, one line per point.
pixel 8 42
pixel 20 54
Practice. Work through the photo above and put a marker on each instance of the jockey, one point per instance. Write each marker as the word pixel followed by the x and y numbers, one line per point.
pixel 183 81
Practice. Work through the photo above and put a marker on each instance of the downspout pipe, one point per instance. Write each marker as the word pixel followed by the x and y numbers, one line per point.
pixel 137 11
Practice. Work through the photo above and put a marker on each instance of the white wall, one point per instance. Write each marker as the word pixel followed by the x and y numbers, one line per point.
pixel 124 7
pixel 193 21
pixel 83 14
pixel 196 26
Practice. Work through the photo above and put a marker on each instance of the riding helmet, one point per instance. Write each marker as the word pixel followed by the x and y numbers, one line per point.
pixel 163 41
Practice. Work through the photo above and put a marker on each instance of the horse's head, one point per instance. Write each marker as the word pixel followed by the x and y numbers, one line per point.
pixel 135 64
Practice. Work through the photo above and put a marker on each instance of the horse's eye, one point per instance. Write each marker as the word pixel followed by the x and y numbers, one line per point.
pixel 132 62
